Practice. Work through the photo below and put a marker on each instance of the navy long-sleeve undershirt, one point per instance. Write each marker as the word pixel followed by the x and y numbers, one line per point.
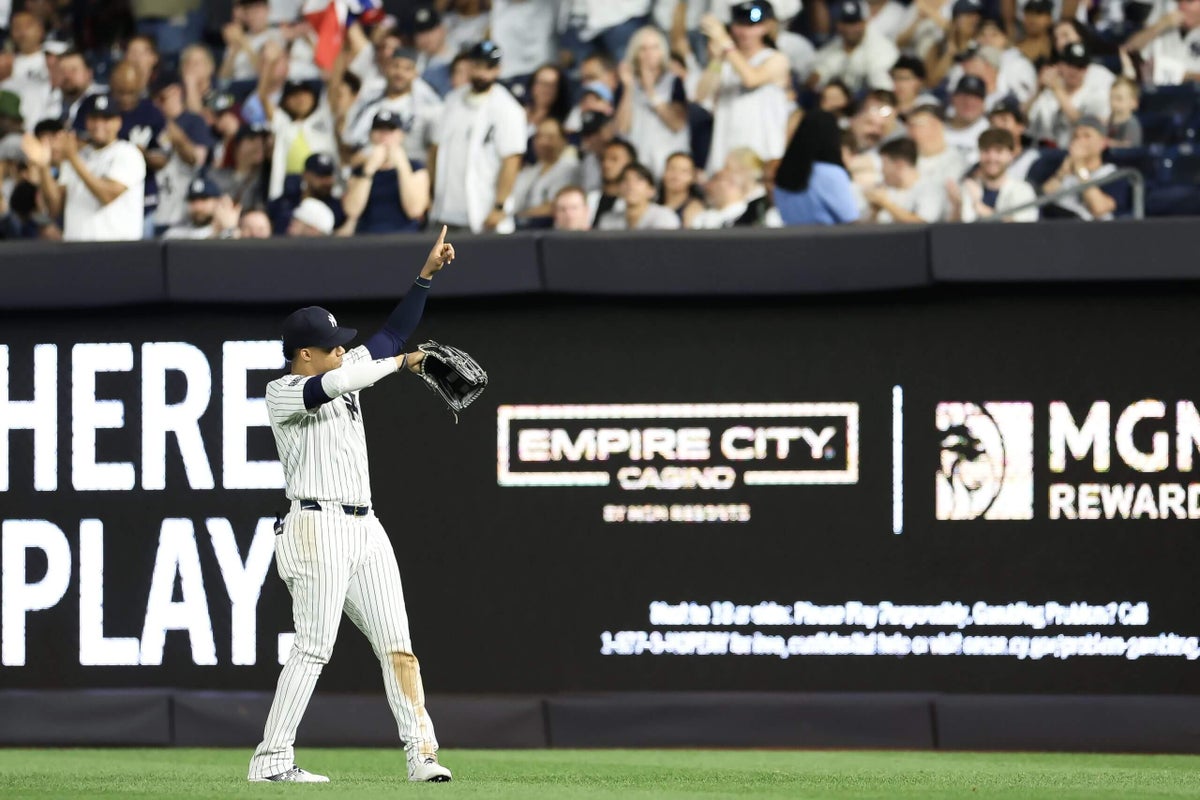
pixel 387 342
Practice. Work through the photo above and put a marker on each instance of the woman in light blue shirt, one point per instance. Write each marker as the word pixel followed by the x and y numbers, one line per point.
pixel 812 186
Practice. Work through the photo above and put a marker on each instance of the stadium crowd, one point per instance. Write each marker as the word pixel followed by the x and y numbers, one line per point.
pixel 152 119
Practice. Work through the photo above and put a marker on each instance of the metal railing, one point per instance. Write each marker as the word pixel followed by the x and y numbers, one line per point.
pixel 1136 180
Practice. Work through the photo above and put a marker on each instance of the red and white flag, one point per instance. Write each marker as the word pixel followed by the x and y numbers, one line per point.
pixel 330 18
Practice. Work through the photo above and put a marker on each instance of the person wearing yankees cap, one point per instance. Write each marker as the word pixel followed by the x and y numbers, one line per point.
pixel 1065 96
pixel 478 149
pixel 859 55
pixel 203 195
pixel 318 180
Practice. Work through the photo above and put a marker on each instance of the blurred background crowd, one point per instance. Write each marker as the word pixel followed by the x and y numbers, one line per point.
pixel 258 118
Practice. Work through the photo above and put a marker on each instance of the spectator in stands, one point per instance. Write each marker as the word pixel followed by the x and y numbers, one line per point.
pixel 597 132
pixel 467 22
pixel 388 193
pixel 904 197
pixel 1065 97
pixel 747 81
pixel 811 185
pixel 605 25
pixel 678 191
pixel 142 52
pixel 618 154
pixel 202 197
pixel 411 99
pixel 571 210
pixel 75 84
pixel 994 191
pixel 311 219
pixel 964 24
pixel 887 18
pixel 227 121
pixel 1009 116
pixel 1084 162
pixel 1171 44
pixel 936 160
pixel 835 98
pixel 197 71
pixel 319 180
pixel 29 76
pixel 478 149
pixel 640 212
pixel 652 112
pixel 98 191
pixel 1124 130
pixel 548 97
pixel 434 52
pixel 188 141
pixel 1037 45
pixel 301 125
pixel 860 56
pixel 1013 73
pixel 967 121
pixel 1070 31
pixel 873 120
pixel 368 58
pixel 244 38
pixel 143 125
pixel 727 204
pixel 345 91
pixel 747 171
pixel 908 83
pixel 525 31
pixel 601 83
pixel 537 184
pixel 244 181
pixel 254 224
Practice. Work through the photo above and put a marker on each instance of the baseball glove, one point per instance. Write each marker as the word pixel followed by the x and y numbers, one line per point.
pixel 452 374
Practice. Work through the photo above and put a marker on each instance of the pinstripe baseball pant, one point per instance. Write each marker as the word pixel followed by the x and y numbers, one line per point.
pixel 333 562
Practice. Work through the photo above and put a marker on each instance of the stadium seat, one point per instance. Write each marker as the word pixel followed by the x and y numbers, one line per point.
pixel 1181 165
pixel 1146 160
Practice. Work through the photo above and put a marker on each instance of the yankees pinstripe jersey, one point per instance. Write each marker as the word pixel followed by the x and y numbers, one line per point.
pixel 324 450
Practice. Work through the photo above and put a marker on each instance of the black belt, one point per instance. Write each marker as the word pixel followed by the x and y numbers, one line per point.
pixel 350 511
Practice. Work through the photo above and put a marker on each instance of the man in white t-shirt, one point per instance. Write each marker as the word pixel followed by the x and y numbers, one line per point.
pixel 968 120
pixel 30 77
pixel 408 97
pixel 478 148
pixel 904 197
pixel 937 161
pixel 859 55
pixel 99 188
pixel 993 191
pixel 1171 44
pixel 1066 97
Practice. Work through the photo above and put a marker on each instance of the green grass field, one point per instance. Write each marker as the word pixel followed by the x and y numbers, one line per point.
pixel 570 774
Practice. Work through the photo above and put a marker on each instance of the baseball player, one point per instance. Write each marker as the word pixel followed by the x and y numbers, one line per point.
pixel 331 550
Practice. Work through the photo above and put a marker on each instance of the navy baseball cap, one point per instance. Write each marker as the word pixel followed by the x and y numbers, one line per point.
pixel 425 18
pixel 1076 55
pixel 1039 7
pixel 320 164
pixel 592 121
pixel 294 86
pixel 386 120
pixel 1009 105
pixel 248 130
pixel 966 7
pixel 752 12
pixel 971 84
pixel 313 326
pixel 104 106
pixel 203 189
pixel 486 51
pixel 851 12
pixel 163 80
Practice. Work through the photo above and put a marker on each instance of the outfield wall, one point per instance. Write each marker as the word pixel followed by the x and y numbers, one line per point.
pixel 952 516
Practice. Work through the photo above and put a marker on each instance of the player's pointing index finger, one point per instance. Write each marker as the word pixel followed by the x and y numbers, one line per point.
pixel 441 237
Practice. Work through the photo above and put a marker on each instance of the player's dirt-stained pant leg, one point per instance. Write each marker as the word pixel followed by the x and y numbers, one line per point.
pixel 315 554
pixel 375 603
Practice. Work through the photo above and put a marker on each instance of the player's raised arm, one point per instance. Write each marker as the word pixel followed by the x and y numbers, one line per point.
pixel 390 339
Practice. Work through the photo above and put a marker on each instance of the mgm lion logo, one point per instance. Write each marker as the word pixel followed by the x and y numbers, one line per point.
pixel 986 461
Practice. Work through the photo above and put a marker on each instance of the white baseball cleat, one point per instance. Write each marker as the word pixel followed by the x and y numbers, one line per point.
pixel 429 770
pixel 293 775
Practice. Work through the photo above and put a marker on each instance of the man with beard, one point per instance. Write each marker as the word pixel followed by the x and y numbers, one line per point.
pixel 414 103
pixel 98 190
pixel 202 198
pixel 994 191
pixel 478 148
pixel 967 122
pixel 75 83
pixel 317 181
